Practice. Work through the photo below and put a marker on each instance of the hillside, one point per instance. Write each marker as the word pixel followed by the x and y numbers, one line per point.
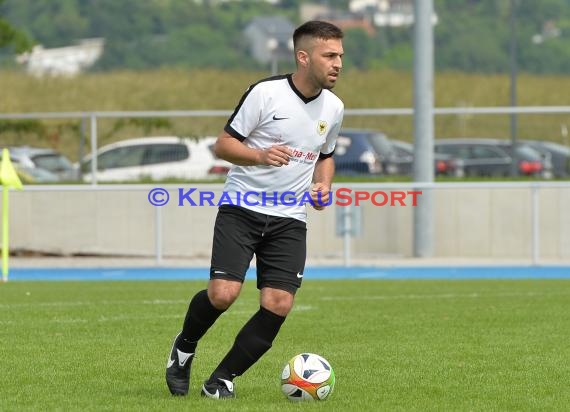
pixel 177 89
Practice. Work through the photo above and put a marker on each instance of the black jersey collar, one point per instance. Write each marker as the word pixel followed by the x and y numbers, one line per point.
pixel 298 93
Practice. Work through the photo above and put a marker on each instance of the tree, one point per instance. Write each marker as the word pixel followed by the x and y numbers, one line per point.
pixel 10 37
pixel 471 35
pixel 359 48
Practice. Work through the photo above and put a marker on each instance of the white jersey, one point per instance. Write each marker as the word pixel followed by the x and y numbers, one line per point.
pixel 274 112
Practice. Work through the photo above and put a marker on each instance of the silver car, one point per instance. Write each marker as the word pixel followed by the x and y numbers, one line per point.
pixel 43 165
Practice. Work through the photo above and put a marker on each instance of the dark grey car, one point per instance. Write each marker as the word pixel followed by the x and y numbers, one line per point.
pixel 559 154
pixel 396 157
pixel 444 164
pixel 494 157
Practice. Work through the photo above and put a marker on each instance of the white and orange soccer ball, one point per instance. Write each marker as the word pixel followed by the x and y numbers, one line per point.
pixel 307 377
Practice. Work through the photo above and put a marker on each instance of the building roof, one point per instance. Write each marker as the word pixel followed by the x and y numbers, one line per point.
pixel 273 26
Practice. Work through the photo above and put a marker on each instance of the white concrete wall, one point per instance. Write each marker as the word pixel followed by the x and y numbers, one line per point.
pixel 469 223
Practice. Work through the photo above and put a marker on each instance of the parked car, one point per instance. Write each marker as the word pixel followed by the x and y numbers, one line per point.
pixel 155 158
pixel 354 155
pixel 444 164
pixel 396 157
pixel 35 175
pixel 41 165
pixel 494 157
pixel 559 154
pixel 219 167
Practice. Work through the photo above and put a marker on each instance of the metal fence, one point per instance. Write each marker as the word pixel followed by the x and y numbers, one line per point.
pixel 544 235
pixel 94 118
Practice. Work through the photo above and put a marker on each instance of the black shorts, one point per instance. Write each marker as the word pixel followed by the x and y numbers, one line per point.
pixel 279 245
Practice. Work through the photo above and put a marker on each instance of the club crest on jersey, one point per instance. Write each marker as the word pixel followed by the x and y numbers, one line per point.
pixel 322 127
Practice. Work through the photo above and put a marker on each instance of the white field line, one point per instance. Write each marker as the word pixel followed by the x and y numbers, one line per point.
pixel 92 303
pixel 123 318
pixel 100 303
pixel 111 319
pixel 101 319
pixel 474 295
pixel 443 296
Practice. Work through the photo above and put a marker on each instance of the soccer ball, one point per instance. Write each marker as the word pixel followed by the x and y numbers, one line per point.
pixel 307 377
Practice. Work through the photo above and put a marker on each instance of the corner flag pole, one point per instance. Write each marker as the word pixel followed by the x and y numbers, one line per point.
pixel 9 178
pixel 5 231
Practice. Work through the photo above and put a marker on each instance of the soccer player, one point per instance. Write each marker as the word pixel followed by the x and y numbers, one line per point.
pixel 280 138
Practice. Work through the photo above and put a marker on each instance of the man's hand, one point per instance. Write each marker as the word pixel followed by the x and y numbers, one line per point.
pixel 320 195
pixel 275 156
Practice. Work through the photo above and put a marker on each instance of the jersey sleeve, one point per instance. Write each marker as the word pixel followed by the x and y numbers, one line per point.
pixel 246 115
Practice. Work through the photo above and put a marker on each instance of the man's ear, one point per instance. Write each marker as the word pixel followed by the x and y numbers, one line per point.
pixel 303 58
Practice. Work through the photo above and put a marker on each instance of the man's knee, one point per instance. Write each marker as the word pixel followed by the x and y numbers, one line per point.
pixel 222 293
pixel 277 301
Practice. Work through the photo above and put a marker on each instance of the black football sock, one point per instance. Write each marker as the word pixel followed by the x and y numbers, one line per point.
pixel 253 340
pixel 200 316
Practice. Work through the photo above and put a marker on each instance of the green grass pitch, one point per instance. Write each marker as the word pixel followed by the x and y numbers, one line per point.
pixel 469 345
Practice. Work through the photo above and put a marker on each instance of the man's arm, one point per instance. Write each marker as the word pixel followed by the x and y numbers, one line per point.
pixel 322 181
pixel 231 149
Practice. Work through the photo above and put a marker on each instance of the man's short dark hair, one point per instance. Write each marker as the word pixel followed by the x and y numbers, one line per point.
pixel 317 29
